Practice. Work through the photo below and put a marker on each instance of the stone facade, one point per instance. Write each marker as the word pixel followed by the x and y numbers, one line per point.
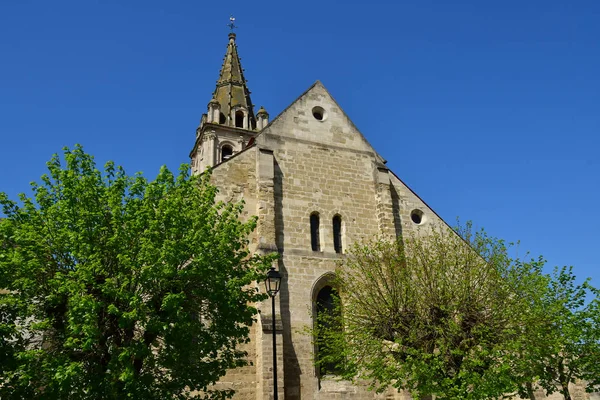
pixel 309 159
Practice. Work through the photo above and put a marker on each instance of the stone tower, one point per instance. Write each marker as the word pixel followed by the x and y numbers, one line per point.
pixel 229 123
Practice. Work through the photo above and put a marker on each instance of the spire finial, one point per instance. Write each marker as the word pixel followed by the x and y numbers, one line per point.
pixel 231 23
pixel 231 26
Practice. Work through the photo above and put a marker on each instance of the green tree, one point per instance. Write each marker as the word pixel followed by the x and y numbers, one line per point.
pixel 433 314
pixel 116 287
pixel 564 345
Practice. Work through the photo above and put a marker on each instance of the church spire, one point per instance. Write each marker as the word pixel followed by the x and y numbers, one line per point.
pixel 231 93
pixel 230 123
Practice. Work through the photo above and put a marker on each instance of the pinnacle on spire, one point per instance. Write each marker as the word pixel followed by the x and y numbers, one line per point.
pixel 232 92
pixel 262 111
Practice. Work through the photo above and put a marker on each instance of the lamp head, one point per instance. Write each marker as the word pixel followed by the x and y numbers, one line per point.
pixel 273 282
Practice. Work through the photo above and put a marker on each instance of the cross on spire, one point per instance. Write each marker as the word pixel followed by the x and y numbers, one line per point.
pixel 231 23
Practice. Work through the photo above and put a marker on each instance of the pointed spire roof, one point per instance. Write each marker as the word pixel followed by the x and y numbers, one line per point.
pixel 232 89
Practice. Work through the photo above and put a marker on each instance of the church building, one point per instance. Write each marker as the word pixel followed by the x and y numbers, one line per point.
pixel 317 186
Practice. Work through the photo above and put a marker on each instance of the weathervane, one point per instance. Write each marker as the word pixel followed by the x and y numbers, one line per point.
pixel 231 23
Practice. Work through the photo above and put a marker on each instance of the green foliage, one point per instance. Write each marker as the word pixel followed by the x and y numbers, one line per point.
pixel 117 287
pixel 564 344
pixel 433 314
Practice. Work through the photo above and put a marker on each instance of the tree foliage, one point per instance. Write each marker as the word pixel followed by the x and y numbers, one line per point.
pixel 116 287
pixel 435 313
pixel 563 346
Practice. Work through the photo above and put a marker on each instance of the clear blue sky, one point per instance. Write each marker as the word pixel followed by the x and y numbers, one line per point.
pixel 489 110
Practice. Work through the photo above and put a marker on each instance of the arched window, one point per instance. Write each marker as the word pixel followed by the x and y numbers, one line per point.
pixel 328 321
pixel 337 234
pixel 315 242
pixel 239 119
pixel 222 118
pixel 226 152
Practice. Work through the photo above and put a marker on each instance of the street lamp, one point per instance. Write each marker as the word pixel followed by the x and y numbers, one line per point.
pixel 272 285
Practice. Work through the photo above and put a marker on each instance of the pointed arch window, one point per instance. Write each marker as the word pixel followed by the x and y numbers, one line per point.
pixel 222 118
pixel 337 234
pixel 226 152
pixel 315 241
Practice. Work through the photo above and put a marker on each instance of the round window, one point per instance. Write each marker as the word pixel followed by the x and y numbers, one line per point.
pixel 319 113
pixel 417 216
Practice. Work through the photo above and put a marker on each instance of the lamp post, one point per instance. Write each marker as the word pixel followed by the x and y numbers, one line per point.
pixel 272 285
